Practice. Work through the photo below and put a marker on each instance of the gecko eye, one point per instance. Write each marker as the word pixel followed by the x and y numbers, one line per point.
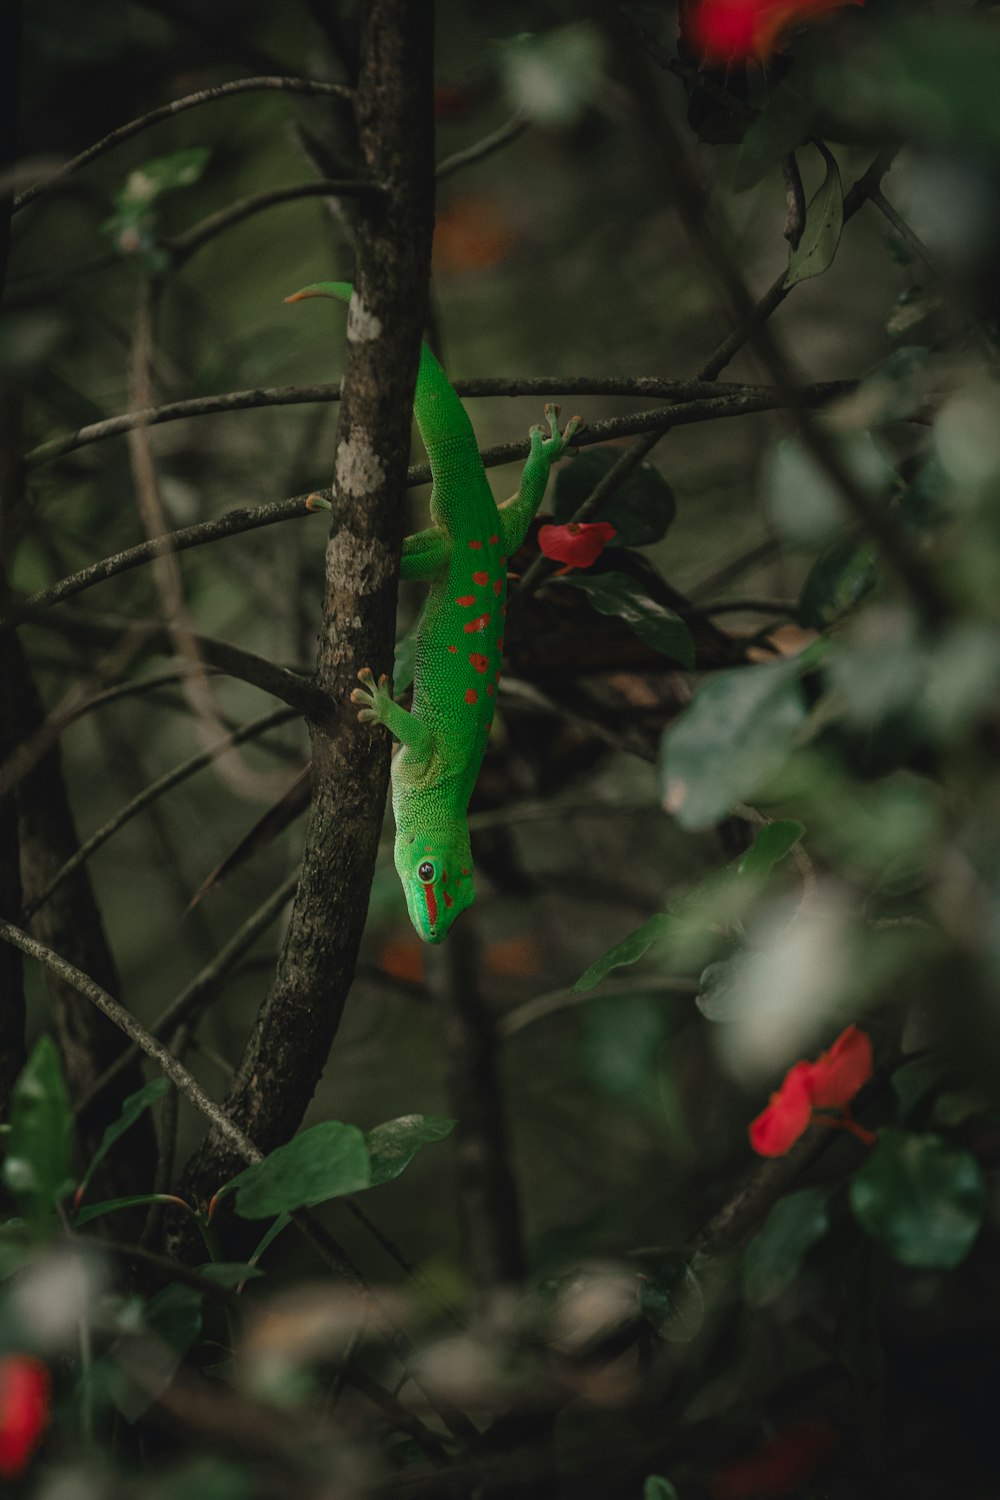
pixel 426 872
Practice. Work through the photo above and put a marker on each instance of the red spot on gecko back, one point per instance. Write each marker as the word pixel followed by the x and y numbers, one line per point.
pixel 481 578
pixel 494 539
pixel 490 689
pixel 498 585
pixel 479 623
pixel 476 546
pixel 465 600
pixel 453 649
pixel 471 696
pixel 478 661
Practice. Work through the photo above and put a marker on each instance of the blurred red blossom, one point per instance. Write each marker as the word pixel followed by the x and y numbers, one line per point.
pixel 24 1411
pixel 726 30
pixel 578 544
pixel 830 1082
pixel 778 1467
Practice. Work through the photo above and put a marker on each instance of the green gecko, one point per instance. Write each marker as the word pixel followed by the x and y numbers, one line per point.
pixel 463 556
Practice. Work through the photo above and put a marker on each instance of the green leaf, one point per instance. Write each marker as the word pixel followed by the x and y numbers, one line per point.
pixel 735 736
pixel 787 120
pixel 628 951
pixel 774 1256
pixel 824 225
pixel 672 1300
pixel 36 1169
pixel 921 1197
pixel 658 1488
pixel 229 1273
pixel 912 1083
pixel 621 1039
pixel 326 1161
pixel 640 508
pixel 552 76
pixel 839 578
pixel 721 988
pixel 617 594
pixel 773 842
pixel 393 1146
pixel 111 1205
pixel 804 503
pixel 132 1108
pixel 162 174
pixel 175 1315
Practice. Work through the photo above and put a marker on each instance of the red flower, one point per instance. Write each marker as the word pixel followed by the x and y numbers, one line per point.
pixel 840 1073
pixel 780 1466
pixel 724 30
pixel 24 1411
pixel 578 544
pixel 830 1082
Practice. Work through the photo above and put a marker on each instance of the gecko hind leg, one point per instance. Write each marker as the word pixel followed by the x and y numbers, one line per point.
pixel 376 705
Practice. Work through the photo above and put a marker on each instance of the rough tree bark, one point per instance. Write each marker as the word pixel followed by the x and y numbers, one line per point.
pixel 296 1025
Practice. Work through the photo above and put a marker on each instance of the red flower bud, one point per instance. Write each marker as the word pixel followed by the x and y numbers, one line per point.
pixel 830 1082
pixel 579 543
pixel 24 1411
pixel 725 30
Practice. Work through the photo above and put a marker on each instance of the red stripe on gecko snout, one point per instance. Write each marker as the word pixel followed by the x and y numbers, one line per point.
pixel 432 906
pixel 479 623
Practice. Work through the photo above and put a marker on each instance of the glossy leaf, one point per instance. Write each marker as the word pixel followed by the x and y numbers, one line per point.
pixel 36 1169
pixel 921 1197
pixel 736 734
pixel 133 1107
pixel 786 121
pixel 774 1256
pixel 823 227
pixel 326 1161
pixel 658 1488
pixel 773 842
pixel 393 1146
pixel 617 594
pixel 628 951
pixel 162 174
pixel 672 1300
pixel 110 1205
pixel 838 580
pixel 640 508
pixel 229 1273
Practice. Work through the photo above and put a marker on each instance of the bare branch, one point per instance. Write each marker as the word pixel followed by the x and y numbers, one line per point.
pixel 150 794
pixel 183 246
pixel 166 112
pixel 509 131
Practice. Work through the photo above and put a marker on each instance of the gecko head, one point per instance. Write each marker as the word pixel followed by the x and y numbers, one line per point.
pixel 436 873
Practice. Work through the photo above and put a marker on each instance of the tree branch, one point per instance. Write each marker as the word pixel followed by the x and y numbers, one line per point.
pixel 294 1030
pixel 183 246
pixel 167 111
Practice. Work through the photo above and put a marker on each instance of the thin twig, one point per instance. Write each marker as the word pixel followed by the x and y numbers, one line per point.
pixel 554 1001
pixel 748 401
pixel 186 1007
pixel 509 131
pixel 165 112
pixel 305 395
pixel 163 784
pixel 183 246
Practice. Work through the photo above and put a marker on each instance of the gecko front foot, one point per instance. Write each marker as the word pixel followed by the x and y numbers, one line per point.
pixel 555 445
pixel 374 697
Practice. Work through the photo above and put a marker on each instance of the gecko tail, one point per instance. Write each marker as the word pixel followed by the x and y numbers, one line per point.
pixel 439 413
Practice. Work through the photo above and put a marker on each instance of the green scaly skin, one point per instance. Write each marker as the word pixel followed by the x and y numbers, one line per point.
pixel 463 556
